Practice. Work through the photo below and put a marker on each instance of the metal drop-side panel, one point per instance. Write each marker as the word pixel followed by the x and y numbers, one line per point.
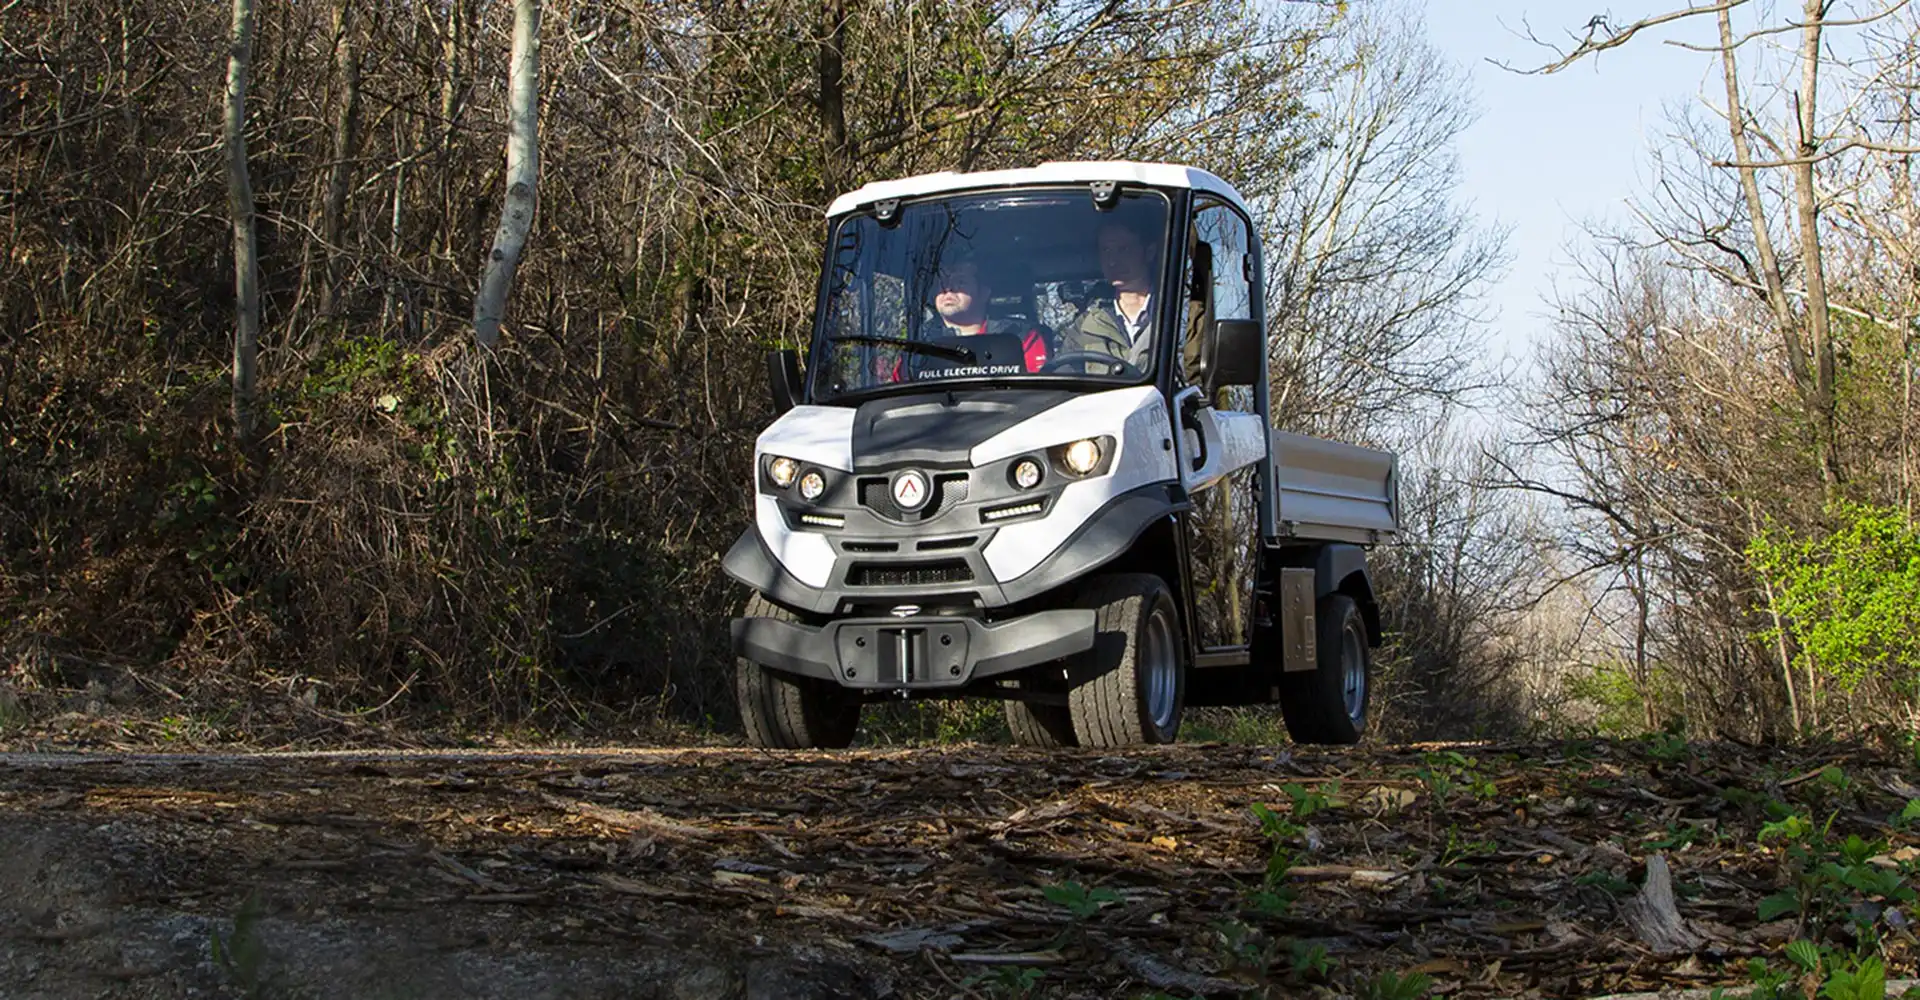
pixel 1333 491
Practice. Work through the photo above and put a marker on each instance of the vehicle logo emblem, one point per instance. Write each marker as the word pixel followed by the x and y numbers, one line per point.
pixel 910 490
pixel 906 611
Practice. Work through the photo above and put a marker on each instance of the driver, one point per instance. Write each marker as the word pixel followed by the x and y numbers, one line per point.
pixel 960 302
pixel 1119 323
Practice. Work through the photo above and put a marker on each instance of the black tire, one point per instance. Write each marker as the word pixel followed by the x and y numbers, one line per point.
pixel 1112 684
pixel 1036 725
pixel 1315 703
pixel 782 711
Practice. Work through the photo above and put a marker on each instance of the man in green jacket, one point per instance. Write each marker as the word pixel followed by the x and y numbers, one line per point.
pixel 1121 322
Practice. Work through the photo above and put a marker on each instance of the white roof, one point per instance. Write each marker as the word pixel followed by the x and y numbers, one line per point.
pixel 1078 172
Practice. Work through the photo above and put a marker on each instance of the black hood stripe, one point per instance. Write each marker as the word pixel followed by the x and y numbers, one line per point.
pixel 939 429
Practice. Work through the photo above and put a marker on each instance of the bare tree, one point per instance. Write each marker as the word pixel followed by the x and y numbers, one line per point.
pixel 246 247
pixel 1801 310
pixel 523 174
pixel 1458 594
pixel 831 62
pixel 346 138
pixel 1373 268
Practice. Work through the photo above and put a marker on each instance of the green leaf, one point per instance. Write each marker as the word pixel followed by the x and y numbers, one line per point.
pixel 1805 954
pixel 1794 827
pixel 1866 981
pixel 1779 905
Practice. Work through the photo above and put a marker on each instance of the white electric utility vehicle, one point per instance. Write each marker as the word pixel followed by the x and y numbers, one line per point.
pixel 1030 460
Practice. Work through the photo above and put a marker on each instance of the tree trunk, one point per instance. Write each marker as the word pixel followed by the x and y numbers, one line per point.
pixel 523 174
pixel 1786 660
pixel 442 240
pixel 831 63
pixel 1906 419
pixel 395 217
pixel 346 135
pixel 1819 330
pixel 246 248
pixel 1642 674
pixel 1812 376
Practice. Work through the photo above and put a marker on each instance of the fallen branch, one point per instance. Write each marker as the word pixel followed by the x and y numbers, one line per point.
pixel 1161 976
pixel 637 820
pixel 1048 957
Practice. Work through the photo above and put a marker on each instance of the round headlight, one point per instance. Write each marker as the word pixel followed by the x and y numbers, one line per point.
pixel 811 486
pixel 782 471
pixel 1082 456
pixel 1026 473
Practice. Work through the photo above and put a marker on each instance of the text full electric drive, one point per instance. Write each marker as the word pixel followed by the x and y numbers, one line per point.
pixel 1030 459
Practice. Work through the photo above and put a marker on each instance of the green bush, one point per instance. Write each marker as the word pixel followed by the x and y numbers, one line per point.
pixel 1849 599
pixel 1618 702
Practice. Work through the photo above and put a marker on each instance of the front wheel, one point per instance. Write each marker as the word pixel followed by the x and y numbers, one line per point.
pixel 781 711
pixel 1041 724
pixel 1130 688
pixel 1328 704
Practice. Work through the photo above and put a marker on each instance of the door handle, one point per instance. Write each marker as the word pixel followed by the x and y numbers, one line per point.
pixel 1190 418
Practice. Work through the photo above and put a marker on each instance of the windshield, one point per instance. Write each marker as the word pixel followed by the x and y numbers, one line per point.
pixel 993 287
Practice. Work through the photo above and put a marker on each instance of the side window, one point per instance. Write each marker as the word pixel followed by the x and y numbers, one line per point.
pixel 1222 229
pixel 1222 247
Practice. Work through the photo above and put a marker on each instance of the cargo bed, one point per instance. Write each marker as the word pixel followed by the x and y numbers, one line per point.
pixel 1333 491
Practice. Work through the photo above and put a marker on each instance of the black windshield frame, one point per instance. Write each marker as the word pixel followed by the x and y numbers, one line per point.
pixel 1165 208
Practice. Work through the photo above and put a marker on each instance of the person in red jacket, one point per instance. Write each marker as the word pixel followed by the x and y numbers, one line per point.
pixel 960 299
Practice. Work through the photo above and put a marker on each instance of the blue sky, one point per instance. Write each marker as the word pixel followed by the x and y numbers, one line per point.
pixel 1548 153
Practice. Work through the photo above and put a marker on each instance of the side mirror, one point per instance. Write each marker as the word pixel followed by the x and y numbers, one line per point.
pixel 783 379
pixel 1232 354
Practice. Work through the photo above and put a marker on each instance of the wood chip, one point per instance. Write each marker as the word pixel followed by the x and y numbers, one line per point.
pixel 506 897
pixel 1655 920
pixel 1036 814
pixel 466 873
pixel 315 864
pixel 1895 987
pixel 634 887
pixel 910 940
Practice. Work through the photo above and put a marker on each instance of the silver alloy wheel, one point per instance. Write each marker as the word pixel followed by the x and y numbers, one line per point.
pixel 1162 663
pixel 1353 669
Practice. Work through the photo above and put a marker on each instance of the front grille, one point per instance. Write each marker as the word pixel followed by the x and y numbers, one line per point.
pixel 874 497
pixel 964 541
pixel 948 489
pixel 871 546
pixel 921 574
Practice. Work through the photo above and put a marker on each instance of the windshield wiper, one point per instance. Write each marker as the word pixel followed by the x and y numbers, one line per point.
pixel 920 346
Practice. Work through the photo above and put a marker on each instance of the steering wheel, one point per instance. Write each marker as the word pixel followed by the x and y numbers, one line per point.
pixel 1082 357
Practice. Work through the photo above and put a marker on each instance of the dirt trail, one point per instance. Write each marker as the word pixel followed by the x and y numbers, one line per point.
pixel 1499 870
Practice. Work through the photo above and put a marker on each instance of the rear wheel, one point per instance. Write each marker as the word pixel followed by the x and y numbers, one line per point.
pixel 1130 688
pixel 1329 703
pixel 783 711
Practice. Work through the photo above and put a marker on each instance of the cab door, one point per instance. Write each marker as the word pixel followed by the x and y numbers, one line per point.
pixel 1223 440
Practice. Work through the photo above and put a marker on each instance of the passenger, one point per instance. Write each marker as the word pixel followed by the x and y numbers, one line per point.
pixel 960 300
